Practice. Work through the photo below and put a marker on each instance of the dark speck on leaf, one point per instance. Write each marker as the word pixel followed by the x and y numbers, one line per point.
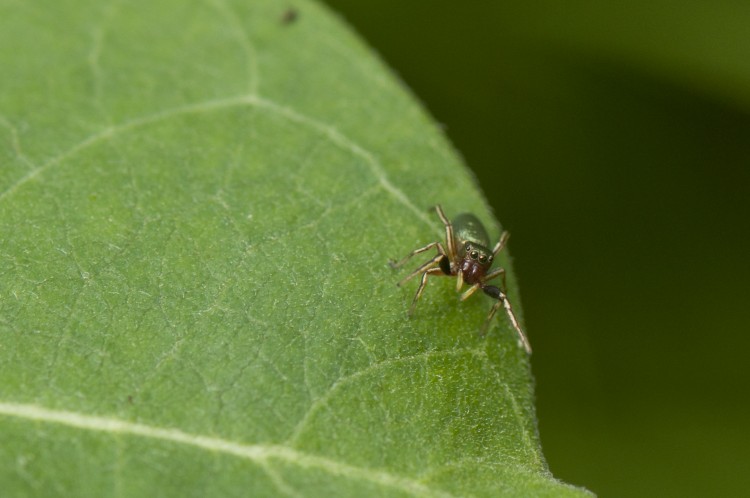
pixel 290 16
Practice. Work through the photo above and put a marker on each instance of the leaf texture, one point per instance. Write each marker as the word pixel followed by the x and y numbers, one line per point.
pixel 198 200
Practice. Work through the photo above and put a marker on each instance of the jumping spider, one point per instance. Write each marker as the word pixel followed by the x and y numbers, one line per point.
pixel 466 256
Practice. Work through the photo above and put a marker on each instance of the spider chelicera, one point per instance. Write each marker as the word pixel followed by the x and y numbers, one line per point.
pixel 466 256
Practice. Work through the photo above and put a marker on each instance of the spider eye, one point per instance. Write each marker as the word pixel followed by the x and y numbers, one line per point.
pixel 489 260
pixel 482 258
pixel 474 254
pixel 467 247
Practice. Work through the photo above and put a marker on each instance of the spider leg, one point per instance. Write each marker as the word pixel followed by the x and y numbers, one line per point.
pixel 500 243
pixel 425 267
pixel 494 274
pixel 502 300
pixel 449 241
pixel 469 292
pixel 422 284
pixel 395 264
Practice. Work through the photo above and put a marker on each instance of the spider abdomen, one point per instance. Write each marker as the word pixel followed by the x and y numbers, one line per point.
pixel 468 228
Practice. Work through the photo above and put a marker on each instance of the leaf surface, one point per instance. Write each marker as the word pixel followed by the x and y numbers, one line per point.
pixel 198 201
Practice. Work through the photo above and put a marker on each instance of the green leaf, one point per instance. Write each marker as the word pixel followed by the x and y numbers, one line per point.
pixel 198 201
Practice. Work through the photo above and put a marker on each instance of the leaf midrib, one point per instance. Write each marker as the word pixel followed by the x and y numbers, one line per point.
pixel 261 454
pixel 257 453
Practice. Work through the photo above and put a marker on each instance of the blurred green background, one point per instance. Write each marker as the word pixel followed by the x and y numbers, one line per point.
pixel 613 141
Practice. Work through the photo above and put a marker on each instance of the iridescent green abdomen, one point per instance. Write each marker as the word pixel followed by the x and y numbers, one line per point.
pixel 468 228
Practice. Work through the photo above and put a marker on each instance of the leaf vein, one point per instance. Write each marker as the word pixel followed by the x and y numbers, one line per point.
pixel 322 400
pixel 252 100
pixel 260 454
pixel 15 141
pixel 251 54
